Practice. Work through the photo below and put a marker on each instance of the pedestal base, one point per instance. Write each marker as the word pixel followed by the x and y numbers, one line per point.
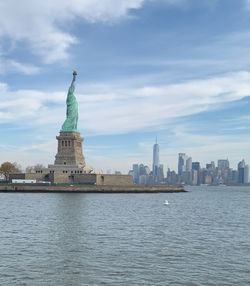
pixel 69 151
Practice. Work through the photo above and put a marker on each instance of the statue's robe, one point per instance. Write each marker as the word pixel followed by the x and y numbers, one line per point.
pixel 70 124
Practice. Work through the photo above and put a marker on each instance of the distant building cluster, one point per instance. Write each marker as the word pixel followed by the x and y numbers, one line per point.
pixel 190 173
pixel 142 175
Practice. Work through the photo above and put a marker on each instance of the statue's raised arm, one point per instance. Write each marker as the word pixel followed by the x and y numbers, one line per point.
pixel 74 76
pixel 72 86
pixel 71 121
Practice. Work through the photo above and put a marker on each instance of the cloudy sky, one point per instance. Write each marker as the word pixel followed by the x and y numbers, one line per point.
pixel 175 69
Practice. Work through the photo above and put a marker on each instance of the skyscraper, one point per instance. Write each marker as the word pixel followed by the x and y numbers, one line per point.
pixel 196 175
pixel 241 167
pixel 182 163
pixel 155 158
pixel 196 166
pixel 210 166
pixel 160 173
pixel 189 164
pixel 223 164
pixel 136 173
pixel 246 174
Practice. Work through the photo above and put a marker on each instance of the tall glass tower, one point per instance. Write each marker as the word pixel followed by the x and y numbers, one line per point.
pixel 182 163
pixel 155 158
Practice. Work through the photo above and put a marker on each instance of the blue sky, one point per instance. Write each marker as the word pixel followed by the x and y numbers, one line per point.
pixel 176 69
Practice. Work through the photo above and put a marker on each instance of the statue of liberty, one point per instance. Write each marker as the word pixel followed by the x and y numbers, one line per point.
pixel 70 124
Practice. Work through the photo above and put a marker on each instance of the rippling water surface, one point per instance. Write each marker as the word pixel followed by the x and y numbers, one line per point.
pixel 201 238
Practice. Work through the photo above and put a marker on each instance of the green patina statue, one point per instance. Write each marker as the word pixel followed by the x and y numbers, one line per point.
pixel 70 124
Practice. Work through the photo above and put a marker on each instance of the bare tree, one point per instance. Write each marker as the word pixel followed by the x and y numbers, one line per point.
pixel 35 168
pixel 29 169
pixel 7 167
pixel 39 167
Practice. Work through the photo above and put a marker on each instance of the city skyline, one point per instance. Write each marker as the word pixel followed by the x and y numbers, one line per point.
pixel 189 172
pixel 175 69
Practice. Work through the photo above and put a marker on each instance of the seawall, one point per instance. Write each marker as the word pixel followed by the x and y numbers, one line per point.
pixel 90 189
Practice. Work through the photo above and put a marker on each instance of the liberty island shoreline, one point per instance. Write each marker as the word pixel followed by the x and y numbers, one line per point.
pixel 90 189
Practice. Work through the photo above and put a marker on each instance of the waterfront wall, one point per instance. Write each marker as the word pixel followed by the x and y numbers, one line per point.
pixel 90 189
pixel 83 179
pixel 114 180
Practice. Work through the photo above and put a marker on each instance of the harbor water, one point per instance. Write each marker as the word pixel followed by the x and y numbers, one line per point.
pixel 201 237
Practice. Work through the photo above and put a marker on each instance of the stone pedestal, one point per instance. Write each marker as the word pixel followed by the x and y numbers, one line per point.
pixel 69 151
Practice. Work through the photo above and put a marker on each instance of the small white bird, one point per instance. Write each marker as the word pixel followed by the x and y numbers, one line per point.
pixel 166 202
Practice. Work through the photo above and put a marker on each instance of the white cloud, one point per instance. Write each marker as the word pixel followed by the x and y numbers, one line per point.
pixel 47 26
pixel 247 4
pixel 44 25
pixel 17 67
pixel 123 110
